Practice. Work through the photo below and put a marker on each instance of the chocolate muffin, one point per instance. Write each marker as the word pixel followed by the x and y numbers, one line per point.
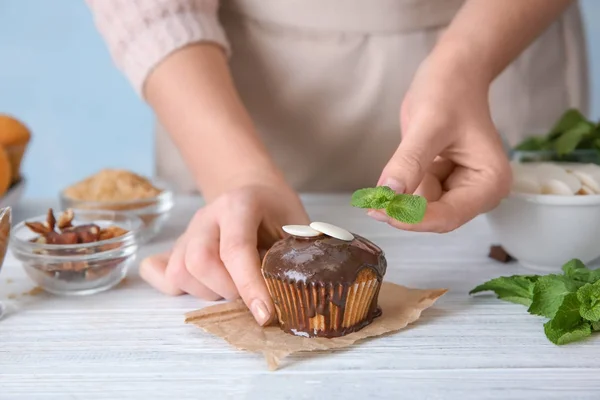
pixel 14 138
pixel 324 280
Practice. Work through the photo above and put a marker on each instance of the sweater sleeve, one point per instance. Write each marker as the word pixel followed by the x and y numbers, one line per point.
pixel 141 33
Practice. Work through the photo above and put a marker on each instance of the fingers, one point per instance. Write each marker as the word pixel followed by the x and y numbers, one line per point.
pixel 193 266
pixel 178 273
pixel 240 255
pixel 203 262
pixel 469 195
pixel 430 188
pixel 153 270
pixel 441 168
pixel 415 155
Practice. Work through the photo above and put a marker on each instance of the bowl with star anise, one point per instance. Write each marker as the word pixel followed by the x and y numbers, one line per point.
pixel 77 252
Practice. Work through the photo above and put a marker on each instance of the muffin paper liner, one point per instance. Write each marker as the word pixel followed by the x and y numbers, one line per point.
pixel 15 157
pixel 321 309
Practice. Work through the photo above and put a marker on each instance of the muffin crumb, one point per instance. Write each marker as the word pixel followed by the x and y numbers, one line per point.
pixel 112 185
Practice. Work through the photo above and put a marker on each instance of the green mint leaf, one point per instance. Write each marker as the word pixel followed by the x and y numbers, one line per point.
pixel 375 198
pixel 407 208
pixel 570 139
pixel 576 270
pixel 567 326
pixel 567 314
pixel 589 297
pixel 567 121
pixel 596 326
pixel 549 292
pixel 516 289
pixel 572 267
pixel 561 336
pixel 532 143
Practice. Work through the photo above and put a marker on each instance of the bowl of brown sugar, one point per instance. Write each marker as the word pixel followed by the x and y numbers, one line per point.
pixel 123 191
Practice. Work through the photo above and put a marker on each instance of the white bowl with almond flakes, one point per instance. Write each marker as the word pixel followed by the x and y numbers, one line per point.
pixel 551 216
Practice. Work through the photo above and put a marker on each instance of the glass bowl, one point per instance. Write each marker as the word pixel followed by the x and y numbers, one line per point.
pixel 154 211
pixel 82 268
pixel 5 223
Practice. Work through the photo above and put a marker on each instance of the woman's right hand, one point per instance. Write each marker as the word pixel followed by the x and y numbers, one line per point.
pixel 218 256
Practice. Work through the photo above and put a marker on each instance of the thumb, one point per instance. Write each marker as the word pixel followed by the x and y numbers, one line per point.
pixel 417 151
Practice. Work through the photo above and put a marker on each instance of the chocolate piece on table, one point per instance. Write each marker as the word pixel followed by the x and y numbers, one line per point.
pixel 498 253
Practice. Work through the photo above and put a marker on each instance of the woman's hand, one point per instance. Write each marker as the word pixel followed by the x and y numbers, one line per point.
pixel 450 151
pixel 218 256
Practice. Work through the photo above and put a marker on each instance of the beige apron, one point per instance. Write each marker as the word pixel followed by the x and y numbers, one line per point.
pixel 324 80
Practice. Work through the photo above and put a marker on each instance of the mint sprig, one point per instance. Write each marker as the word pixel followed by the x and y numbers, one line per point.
pixel 549 293
pixel 571 301
pixel 573 131
pixel 589 298
pixel 567 325
pixel 375 198
pixel 516 289
pixel 577 271
pixel 406 208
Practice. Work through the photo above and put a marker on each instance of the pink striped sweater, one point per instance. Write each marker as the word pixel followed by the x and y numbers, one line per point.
pixel 141 33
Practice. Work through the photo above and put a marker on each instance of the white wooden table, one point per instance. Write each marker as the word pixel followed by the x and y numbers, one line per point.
pixel 131 342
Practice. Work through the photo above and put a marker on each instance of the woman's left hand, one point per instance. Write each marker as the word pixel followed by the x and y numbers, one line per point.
pixel 450 152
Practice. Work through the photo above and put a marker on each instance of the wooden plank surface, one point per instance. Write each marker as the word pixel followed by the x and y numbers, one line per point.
pixel 131 342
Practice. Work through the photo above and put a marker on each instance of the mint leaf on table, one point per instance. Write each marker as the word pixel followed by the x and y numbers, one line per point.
pixel 589 298
pixel 572 268
pixel 567 325
pixel 407 208
pixel 375 198
pixel 571 301
pixel 549 292
pixel 576 270
pixel 571 138
pixel 560 336
pixel 516 289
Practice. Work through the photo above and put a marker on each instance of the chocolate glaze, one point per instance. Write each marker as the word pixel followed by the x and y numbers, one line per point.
pixel 323 259
pixel 326 266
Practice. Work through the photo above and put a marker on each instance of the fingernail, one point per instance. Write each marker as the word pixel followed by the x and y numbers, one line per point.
pixel 260 312
pixel 394 184
pixel 378 216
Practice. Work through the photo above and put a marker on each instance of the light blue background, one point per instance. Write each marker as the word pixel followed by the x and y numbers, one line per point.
pixel 56 74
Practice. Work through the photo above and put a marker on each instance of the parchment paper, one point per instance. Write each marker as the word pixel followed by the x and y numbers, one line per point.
pixel 234 323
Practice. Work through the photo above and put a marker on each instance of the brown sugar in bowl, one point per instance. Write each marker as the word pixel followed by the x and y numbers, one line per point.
pixel 124 191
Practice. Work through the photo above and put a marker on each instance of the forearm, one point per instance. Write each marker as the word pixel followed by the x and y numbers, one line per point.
pixel 193 95
pixel 486 36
